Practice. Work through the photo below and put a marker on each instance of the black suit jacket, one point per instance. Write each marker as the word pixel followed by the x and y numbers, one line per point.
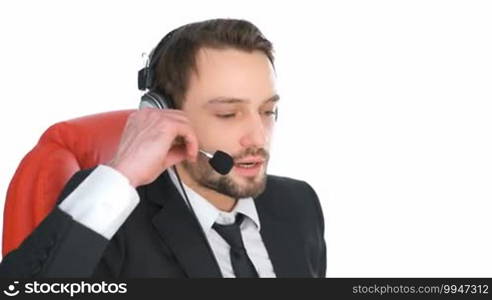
pixel 161 238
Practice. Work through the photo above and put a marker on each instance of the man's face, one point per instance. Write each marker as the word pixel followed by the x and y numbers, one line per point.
pixel 231 102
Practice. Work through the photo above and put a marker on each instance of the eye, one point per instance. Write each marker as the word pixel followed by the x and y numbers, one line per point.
pixel 270 113
pixel 226 116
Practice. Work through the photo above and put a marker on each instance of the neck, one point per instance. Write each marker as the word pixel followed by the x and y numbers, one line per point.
pixel 220 201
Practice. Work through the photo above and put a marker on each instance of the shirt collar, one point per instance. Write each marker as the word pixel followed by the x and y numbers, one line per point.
pixel 208 214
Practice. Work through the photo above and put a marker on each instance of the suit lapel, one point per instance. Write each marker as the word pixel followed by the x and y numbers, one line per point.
pixel 181 231
pixel 281 235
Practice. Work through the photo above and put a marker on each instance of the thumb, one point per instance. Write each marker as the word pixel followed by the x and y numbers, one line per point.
pixel 175 155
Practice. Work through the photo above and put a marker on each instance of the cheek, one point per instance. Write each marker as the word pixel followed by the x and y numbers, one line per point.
pixel 218 136
pixel 226 136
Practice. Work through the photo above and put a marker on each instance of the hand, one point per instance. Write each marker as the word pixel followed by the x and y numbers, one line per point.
pixel 153 140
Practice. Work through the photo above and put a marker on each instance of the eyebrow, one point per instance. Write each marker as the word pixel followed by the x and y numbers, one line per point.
pixel 229 100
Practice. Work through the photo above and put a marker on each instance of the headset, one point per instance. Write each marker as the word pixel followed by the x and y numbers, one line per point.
pixel 220 161
pixel 152 98
pixel 146 77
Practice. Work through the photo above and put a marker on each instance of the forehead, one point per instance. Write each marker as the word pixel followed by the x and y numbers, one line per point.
pixel 230 73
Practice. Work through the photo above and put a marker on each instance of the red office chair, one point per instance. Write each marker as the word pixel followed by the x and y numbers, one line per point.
pixel 62 150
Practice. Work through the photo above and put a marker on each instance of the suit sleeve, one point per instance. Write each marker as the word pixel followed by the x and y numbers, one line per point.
pixel 58 247
pixel 321 232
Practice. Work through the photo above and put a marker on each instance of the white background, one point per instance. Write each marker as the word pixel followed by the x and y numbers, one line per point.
pixel 386 110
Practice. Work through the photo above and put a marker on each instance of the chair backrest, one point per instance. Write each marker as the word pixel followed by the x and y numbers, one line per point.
pixel 62 150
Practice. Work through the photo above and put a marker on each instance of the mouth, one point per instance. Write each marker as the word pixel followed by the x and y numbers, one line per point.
pixel 248 166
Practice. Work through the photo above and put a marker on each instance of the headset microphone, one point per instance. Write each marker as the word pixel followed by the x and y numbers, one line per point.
pixel 220 161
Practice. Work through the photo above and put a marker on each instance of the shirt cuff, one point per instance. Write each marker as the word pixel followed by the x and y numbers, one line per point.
pixel 102 202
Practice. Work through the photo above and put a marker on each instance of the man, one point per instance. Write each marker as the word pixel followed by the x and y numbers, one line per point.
pixel 129 218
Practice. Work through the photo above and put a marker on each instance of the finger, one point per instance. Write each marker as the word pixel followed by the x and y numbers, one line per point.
pixel 177 115
pixel 186 133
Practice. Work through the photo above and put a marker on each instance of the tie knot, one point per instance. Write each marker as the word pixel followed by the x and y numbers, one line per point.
pixel 231 233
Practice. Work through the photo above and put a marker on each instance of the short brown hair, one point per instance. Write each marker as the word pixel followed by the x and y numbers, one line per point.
pixel 175 64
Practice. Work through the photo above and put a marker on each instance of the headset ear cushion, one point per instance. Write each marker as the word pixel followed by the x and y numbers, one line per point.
pixel 154 100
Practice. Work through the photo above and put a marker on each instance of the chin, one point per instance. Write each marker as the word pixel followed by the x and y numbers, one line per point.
pixel 249 186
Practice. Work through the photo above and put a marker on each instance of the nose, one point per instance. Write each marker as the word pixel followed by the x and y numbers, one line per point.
pixel 256 134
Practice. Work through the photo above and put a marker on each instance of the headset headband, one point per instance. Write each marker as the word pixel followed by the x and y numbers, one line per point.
pixel 146 76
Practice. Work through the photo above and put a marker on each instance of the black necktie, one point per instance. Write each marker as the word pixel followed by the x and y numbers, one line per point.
pixel 241 264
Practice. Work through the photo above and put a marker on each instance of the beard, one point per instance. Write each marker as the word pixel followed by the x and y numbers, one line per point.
pixel 244 187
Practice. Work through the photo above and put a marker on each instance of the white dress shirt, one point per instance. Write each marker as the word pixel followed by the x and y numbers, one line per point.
pixel 208 214
pixel 105 199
